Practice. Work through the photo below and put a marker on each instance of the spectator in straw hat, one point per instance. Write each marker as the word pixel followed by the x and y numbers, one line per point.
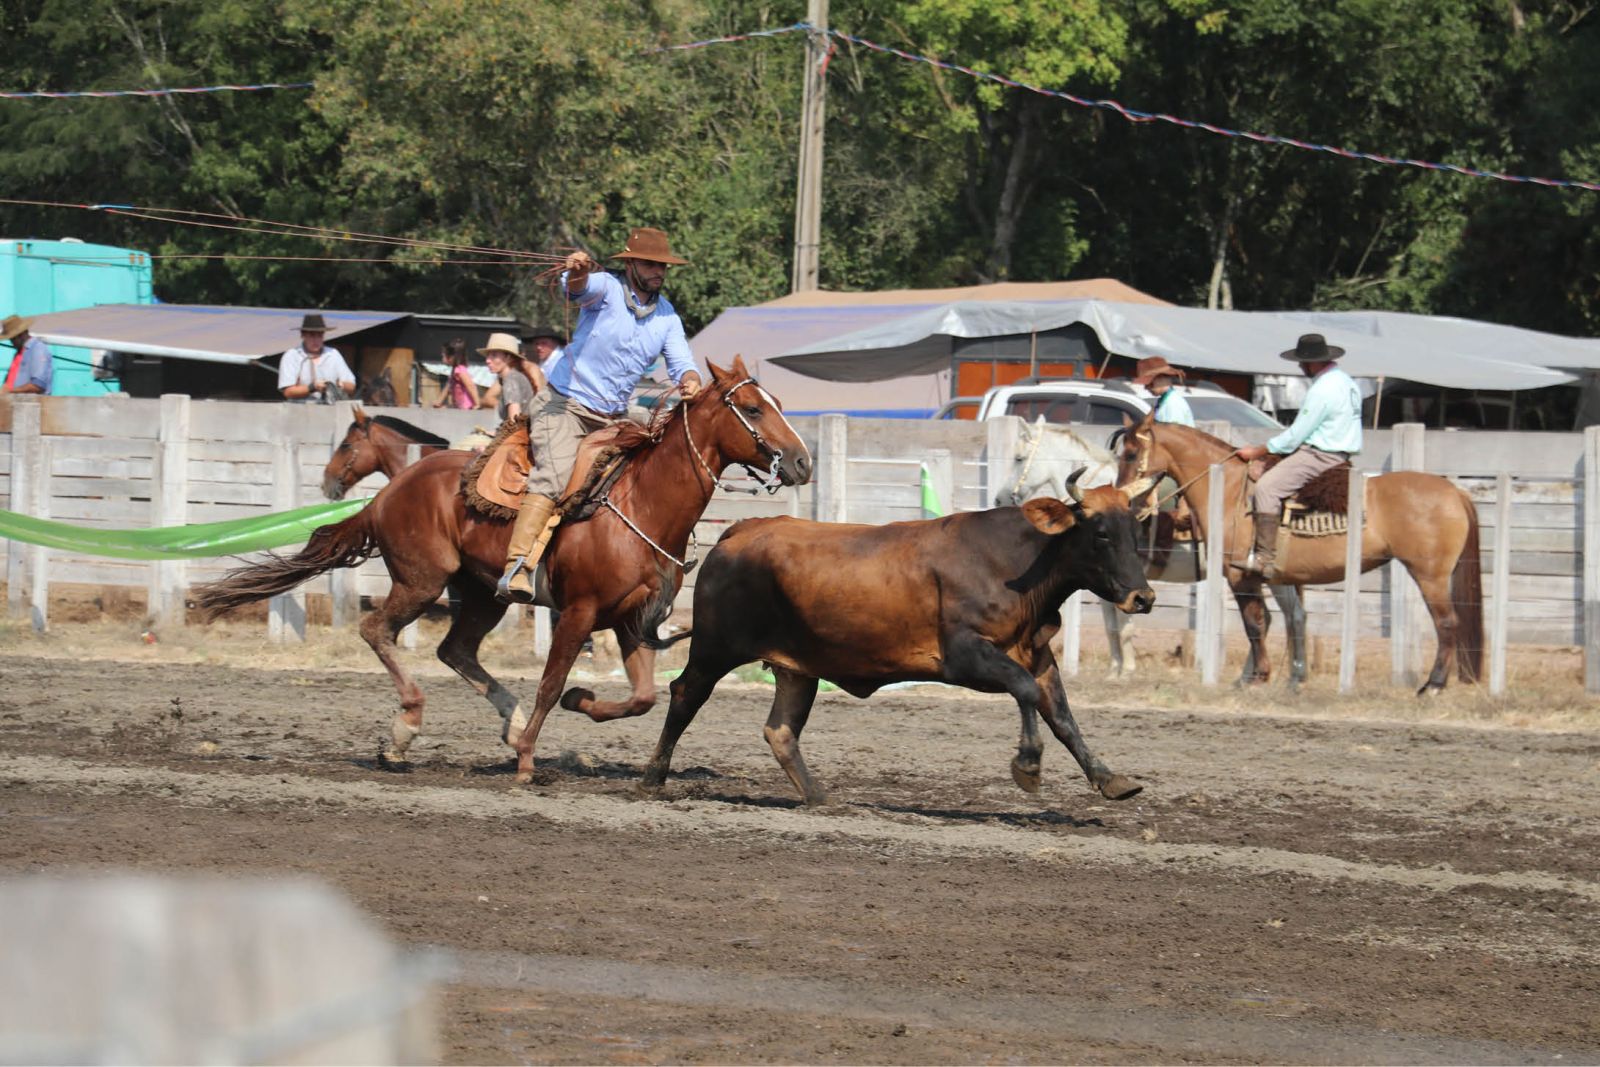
pixel 1158 376
pixel 311 372
pixel 624 325
pixel 1326 433
pixel 32 368
pixel 503 354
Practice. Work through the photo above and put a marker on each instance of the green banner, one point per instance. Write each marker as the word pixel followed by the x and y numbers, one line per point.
pixel 181 542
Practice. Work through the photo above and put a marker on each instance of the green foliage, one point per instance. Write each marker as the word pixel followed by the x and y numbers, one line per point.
pixel 535 125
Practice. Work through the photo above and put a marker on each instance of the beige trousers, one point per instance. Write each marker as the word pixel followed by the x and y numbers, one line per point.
pixel 554 433
pixel 1295 470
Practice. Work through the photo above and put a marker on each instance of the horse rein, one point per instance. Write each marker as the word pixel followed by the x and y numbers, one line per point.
pixel 768 481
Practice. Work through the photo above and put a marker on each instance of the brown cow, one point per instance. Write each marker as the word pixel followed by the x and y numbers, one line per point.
pixel 971 600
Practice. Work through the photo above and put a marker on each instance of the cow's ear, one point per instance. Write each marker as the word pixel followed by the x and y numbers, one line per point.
pixel 1049 515
pixel 360 416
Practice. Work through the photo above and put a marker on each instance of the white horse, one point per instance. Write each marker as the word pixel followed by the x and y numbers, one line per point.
pixel 1046 456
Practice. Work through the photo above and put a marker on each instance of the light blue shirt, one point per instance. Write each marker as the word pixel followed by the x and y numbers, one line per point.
pixel 37 366
pixel 1329 419
pixel 1172 407
pixel 611 348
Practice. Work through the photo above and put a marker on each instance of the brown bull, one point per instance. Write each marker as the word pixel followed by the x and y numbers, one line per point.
pixel 970 600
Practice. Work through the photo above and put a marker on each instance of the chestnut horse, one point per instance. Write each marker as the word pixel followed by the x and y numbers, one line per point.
pixel 1422 520
pixel 373 443
pixel 620 569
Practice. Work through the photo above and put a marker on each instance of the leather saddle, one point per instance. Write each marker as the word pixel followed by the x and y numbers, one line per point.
pixel 1320 507
pixel 495 483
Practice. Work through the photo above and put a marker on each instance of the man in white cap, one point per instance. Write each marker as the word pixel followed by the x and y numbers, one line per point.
pixel 1326 433
pixel 311 372
pixel 32 368
pixel 624 323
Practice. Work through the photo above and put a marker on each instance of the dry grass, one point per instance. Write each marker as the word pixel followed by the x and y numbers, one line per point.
pixel 1544 685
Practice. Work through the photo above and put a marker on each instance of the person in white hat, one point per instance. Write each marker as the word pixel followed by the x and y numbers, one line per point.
pixel 624 325
pixel 503 354
pixel 311 372
pixel 1326 433
pixel 32 368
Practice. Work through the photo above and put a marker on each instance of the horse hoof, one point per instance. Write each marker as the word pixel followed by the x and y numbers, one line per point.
pixel 1120 787
pixel 573 699
pixel 1429 690
pixel 395 762
pixel 649 789
pixel 524 777
pixel 1027 778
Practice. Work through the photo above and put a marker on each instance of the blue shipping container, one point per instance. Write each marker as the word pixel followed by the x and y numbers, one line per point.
pixel 38 277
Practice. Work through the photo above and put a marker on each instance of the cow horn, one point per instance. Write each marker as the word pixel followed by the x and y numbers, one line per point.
pixel 1072 486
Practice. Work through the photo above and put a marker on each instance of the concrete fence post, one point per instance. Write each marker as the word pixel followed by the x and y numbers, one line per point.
pixel 26 442
pixel 1072 633
pixel 1350 617
pixel 1208 646
pixel 832 468
pixel 1000 455
pixel 1500 587
pixel 39 565
pixel 941 479
pixel 286 614
pixel 1406 610
pixel 1591 559
pixel 170 497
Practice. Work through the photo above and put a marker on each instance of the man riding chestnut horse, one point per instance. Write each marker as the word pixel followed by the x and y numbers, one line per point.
pixel 624 323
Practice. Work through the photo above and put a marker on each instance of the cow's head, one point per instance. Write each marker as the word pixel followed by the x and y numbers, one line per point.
pixel 1100 539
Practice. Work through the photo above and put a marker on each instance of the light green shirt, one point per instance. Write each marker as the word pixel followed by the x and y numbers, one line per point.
pixel 1330 418
pixel 1172 407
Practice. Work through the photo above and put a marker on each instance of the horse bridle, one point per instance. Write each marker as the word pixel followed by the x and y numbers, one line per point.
pixel 350 463
pixel 770 480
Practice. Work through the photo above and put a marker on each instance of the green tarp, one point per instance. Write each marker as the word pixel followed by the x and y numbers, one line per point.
pixel 181 542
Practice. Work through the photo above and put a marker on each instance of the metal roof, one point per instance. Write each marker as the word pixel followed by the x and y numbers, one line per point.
pixel 215 334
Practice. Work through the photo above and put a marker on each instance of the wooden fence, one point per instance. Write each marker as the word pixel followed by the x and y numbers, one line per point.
pixel 125 463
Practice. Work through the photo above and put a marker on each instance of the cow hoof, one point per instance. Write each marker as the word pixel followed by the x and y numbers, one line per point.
pixel 573 699
pixel 1119 787
pixel 650 786
pixel 816 800
pixel 1026 777
pixel 1430 690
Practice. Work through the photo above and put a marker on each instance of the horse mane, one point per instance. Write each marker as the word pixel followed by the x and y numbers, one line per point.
pixel 1211 439
pixel 406 429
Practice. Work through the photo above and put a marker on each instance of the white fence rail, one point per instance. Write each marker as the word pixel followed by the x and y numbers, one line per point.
pixel 103 462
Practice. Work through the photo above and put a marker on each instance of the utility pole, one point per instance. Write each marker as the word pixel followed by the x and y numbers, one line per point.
pixel 808 193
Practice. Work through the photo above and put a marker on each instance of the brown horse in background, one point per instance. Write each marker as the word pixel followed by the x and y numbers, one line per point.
pixel 620 569
pixel 1422 520
pixel 374 443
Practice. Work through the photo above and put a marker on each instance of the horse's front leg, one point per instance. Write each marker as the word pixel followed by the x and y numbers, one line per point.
pixel 577 619
pixel 639 660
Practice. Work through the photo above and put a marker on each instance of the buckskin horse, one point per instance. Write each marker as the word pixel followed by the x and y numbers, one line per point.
pixel 1422 520
pixel 971 599
pixel 619 569
pixel 374 443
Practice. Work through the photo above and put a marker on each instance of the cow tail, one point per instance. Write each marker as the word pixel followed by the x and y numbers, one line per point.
pixel 643 626
pixel 342 544
pixel 1466 590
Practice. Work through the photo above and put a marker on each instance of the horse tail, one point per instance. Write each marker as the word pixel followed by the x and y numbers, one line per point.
pixel 1466 590
pixel 342 544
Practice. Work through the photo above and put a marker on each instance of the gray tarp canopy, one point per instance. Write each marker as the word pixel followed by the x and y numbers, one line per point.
pixel 194 331
pixel 836 344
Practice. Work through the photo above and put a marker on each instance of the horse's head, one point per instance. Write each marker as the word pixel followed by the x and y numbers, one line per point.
pixel 1141 460
pixel 745 424
pixel 354 459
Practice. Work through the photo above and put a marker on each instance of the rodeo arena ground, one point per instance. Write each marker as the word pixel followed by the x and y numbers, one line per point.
pixel 1313 864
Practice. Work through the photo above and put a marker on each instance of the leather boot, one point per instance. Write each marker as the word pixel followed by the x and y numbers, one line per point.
pixel 536 522
pixel 1262 554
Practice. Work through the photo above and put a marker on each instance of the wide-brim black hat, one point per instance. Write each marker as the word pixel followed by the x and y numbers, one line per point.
pixel 536 332
pixel 1312 348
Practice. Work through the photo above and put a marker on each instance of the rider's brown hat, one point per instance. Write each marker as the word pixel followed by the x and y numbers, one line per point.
pixel 646 242
pixel 1153 367
pixel 313 323
pixel 1312 348
pixel 13 326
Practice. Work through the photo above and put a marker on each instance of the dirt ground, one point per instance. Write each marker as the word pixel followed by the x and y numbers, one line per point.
pixel 1304 879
